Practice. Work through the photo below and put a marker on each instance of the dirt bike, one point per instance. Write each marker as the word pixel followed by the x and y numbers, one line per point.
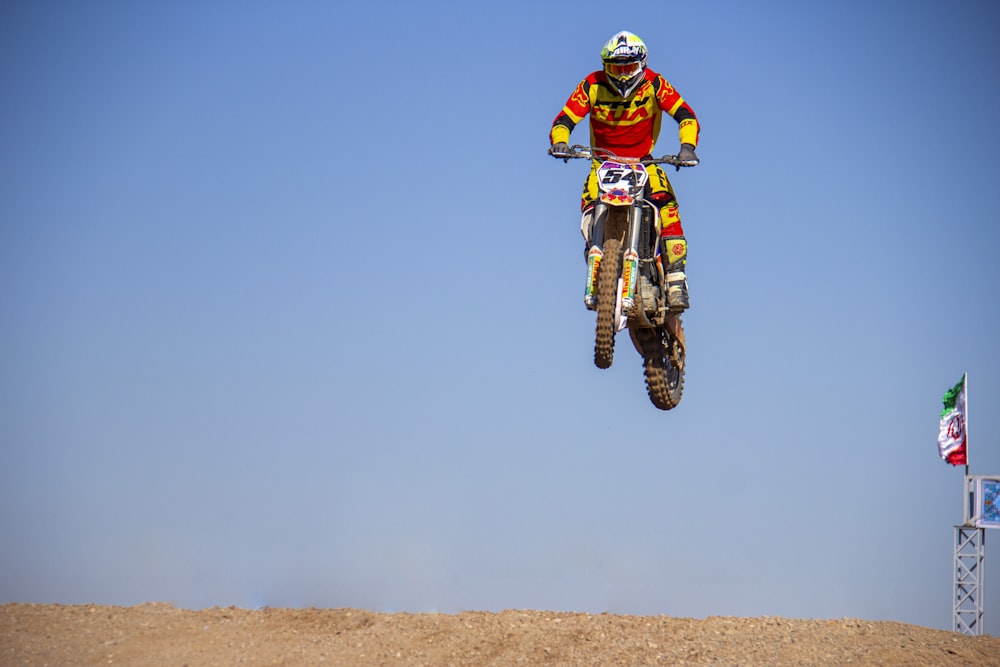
pixel 625 274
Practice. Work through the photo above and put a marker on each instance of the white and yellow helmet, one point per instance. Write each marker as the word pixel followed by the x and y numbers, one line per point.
pixel 624 57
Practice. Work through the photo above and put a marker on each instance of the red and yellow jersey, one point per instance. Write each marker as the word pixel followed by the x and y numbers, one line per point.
pixel 628 127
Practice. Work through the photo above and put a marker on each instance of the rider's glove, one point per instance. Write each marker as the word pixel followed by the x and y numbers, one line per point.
pixel 560 150
pixel 687 155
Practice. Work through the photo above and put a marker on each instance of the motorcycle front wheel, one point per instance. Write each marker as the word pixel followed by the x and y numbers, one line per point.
pixel 607 297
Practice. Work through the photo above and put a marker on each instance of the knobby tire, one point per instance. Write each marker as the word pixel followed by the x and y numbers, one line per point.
pixel 607 294
pixel 663 366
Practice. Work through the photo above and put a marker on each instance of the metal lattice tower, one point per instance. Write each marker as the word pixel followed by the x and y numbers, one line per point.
pixel 970 552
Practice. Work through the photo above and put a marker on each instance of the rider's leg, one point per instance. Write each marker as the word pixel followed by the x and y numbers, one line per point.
pixel 587 201
pixel 587 219
pixel 673 244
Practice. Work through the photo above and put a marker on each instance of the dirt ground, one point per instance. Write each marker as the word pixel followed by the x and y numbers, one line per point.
pixel 159 634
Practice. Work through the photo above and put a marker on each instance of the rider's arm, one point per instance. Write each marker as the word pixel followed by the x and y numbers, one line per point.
pixel 576 107
pixel 672 102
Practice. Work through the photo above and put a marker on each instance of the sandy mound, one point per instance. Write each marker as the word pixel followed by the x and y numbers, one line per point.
pixel 159 634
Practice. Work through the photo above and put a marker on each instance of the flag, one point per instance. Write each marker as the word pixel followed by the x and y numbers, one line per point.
pixel 951 436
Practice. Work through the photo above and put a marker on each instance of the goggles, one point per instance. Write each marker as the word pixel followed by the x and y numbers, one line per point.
pixel 620 70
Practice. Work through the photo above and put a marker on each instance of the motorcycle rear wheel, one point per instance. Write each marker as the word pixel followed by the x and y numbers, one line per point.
pixel 607 296
pixel 663 366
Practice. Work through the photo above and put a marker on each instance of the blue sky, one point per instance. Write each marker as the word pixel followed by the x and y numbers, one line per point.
pixel 292 310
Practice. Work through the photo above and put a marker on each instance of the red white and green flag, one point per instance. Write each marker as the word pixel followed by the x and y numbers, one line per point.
pixel 952 441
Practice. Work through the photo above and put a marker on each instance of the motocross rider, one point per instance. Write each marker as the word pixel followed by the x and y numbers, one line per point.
pixel 625 101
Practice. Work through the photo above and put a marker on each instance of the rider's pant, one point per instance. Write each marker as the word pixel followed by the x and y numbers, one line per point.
pixel 673 245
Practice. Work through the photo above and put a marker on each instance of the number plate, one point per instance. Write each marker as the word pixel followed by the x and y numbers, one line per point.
pixel 615 175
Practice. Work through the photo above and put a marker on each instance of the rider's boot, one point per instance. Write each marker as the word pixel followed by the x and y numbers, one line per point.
pixel 674 249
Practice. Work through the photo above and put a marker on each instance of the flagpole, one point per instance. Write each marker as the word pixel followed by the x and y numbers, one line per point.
pixel 965 390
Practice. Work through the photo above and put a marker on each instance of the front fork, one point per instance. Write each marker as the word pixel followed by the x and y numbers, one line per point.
pixel 630 256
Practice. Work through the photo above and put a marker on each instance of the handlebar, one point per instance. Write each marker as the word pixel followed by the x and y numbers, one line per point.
pixel 594 153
